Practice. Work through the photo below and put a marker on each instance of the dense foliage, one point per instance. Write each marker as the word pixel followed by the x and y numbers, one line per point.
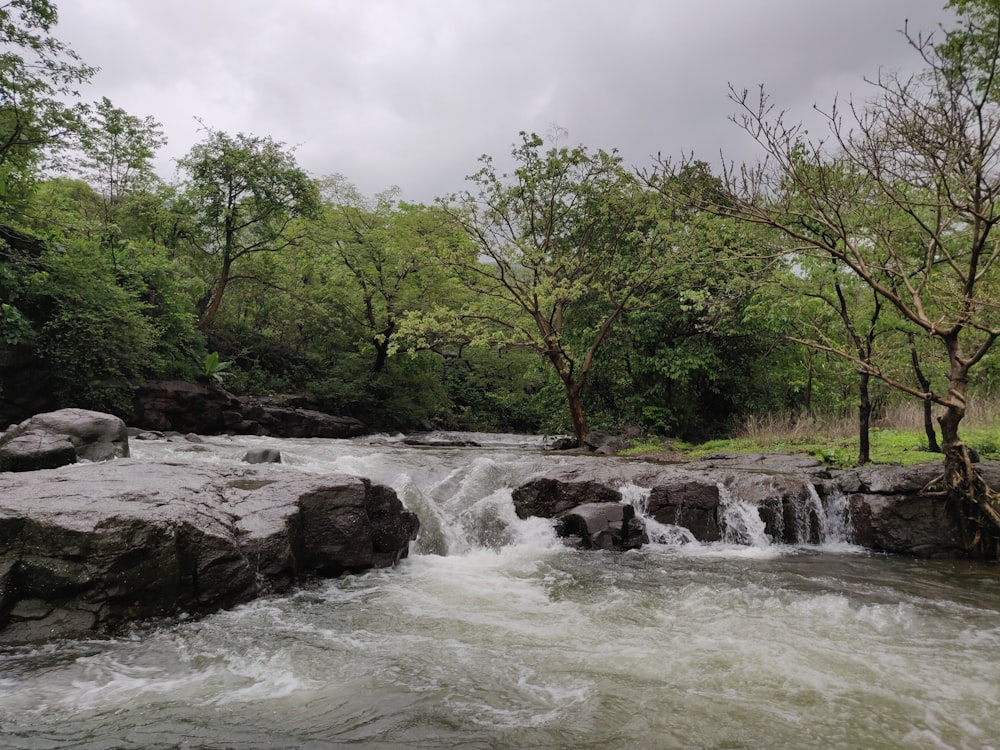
pixel 571 293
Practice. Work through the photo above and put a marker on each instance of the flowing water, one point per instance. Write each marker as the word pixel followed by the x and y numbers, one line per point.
pixel 494 635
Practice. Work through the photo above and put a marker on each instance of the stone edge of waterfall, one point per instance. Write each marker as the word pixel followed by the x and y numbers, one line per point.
pixel 885 508
pixel 89 549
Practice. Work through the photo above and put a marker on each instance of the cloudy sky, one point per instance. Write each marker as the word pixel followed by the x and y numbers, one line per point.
pixel 412 92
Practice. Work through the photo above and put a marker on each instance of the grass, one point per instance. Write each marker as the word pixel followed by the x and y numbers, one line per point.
pixel 897 438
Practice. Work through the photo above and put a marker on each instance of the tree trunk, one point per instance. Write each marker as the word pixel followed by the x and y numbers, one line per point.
pixel 381 343
pixel 208 317
pixel 864 418
pixel 576 414
pixel 925 386
pixel 971 499
pixel 809 384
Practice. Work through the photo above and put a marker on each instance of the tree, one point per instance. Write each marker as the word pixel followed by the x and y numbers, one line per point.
pixel 920 160
pixel 248 191
pixel 559 250
pixel 38 74
pixel 389 250
pixel 117 151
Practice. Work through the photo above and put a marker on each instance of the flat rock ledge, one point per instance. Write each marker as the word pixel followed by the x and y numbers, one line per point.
pixel 88 549
pixel 797 501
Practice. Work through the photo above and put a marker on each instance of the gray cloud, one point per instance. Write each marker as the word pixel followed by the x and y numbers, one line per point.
pixel 411 92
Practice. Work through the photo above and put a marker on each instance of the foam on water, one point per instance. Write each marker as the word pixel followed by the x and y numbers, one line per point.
pixel 493 634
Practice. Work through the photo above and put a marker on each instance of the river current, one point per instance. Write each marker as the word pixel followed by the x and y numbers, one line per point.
pixel 493 634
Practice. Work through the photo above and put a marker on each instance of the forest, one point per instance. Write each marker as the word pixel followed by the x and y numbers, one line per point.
pixel 572 292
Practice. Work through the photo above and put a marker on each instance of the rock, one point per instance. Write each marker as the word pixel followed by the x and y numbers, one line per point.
pixel 607 526
pixel 210 410
pixel 262 456
pixel 40 442
pixel 34 450
pixel 604 443
pixel 917 525
pixel 550 497
pixel 887 505
pixel 183 407
pixel 691 502
pixel 87 549
pixel 288 422
pixel 439 440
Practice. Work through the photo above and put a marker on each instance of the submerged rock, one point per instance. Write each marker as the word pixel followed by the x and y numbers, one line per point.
pixel 88 549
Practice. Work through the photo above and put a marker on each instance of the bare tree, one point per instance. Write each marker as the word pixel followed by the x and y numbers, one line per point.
pixel 905 194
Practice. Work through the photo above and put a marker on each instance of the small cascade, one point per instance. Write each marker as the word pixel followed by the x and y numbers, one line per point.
pixel 835 520
pixel 740 521
pixel 470 507
pixel 656 532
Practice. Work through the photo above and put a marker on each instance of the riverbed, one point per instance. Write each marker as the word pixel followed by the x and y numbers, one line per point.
pixel 493 634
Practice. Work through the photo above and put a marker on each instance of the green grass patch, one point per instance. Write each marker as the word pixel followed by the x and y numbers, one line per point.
pixel 888 446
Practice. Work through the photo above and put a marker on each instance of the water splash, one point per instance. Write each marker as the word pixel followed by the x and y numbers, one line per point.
pixel 656 532
pixel 835 522
pixel 740 521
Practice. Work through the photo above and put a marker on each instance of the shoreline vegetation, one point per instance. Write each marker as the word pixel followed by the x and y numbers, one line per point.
pixel 897 438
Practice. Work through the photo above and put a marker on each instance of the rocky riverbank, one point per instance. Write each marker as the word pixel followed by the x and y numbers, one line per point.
pixel 888 508
pixel 89 548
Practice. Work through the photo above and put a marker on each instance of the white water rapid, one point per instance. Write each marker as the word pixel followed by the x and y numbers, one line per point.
pixel 492 634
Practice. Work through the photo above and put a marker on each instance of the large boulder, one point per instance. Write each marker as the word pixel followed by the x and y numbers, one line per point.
pixel 185 407
pixel 61 437
pixel 90 548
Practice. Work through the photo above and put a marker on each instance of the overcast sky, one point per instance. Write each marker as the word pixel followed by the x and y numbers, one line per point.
pixel 412 92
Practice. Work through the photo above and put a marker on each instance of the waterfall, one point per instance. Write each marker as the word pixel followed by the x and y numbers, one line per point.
pixel 812 522
pixel 656 532
pixel 835 520
pixel 740 521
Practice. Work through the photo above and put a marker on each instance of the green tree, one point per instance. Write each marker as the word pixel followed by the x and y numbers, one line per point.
pixel 921 159
pixel 38 76
pixel 388 254
pixel 560 249
pixel 248 191
pixel 117 151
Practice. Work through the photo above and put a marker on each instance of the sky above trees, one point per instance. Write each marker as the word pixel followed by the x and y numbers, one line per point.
pixel 412 92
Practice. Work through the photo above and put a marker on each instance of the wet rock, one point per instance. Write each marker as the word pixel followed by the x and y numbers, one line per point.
pixel 549 497
pixel 40 442
pixel 689 502
pixel 914 524
pixel 435 440
pixel 88 549
pixel 607 526
pixel 604 443
pixel 262 456
pixel 210 410
pixel 892 509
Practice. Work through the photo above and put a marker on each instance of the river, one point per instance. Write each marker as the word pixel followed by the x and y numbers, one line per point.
pixel 492 634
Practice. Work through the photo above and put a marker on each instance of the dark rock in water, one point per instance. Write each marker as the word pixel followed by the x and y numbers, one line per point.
pixel 562 444
pixel 182 407
pixel 550 497
pixel 607 526
pixel 433 441
pixel 87 549
pixel 262 456
pixel 691 502
pixel 58 438
pixel 892 509
pixel 208 410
